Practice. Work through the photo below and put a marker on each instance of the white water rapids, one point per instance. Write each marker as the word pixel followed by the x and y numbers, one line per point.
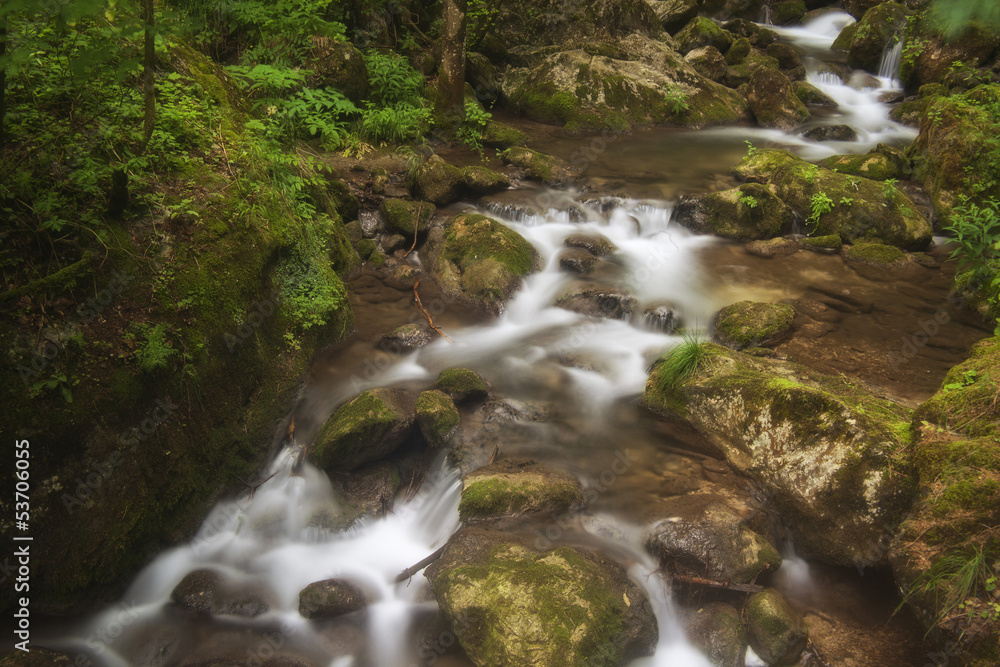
pixel 277 540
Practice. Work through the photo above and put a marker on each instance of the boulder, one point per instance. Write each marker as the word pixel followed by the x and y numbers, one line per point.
pixel 462 385
pixel 749 10
pixel 752 324
pixel 785 54
pixel 776 247
pixel 511 607
pixel 738 52
pixel 206 592
pixel 405 338
pixel 877 255
pixel 661 317
pixel 638 81
pixel 537 166
pixel 330 598
pixel 479 260
pixel 703 31
pixel 595 245
pixel 772 100
pixel 401 216
pixel 481 74
pixel 577 260
pixel 831 133
pixel 812 96
pixel 339 65
pixel 366 428
pixel 556 23
pixel 741 73
pixel 831 457
pixel 879 164
pixel 860 208
pixel 880 24
pixel 610 302
pixel 857 8
pixel 500 135
pixel 512 488
pixel 708 62
pixel 786 12
pixel 930 56
pixel 483 181
pixel 748 212
pixel 674 14
pixel 830 243
pixel 716 630
pixel 437 181
pixel 437 417
pixel 777 633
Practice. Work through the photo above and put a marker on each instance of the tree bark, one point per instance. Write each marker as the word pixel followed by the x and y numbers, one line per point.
pixel 148 62
pixel 451 73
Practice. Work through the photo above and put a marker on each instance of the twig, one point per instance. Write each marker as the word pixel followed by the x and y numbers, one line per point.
pixel 413 569
pixel 712 583
pixel 416 295
pixel 253 487
pixel 496 450
pixel 409 494
pixel 416 229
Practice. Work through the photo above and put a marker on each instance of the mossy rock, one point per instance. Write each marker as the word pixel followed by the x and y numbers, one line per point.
pixel 830 242
pixel 776 247
pixel 879 164
pixel 512 488
pixel 966 400
pixel 750 211
pixel 708 62
pixel 787 12
pixel 607 302
pixel 772 100
pixel 338 64
pixel 405 338
pixel 832 457
pixel 861 211
pixel 38 657
pixel 348 205
pixel 812 96
pixel 437 181
pixel 479 260
pixel 330 598
pixel 501 135
pixel 208 592
pixel 879 24
pixel 463 385
pixel 748 10
pixel 483 181
pixel 367 428
pixel 777 632
pixel 512 607
pixel 552 23
pixel 786 55
pixel 932 54
pixel 537 166
pixel 703 31
pixel 717 631
pixel 876 255
pixel 401 216
pixel 753 324
pixel 738 52
pixel 843 41
pixel 437 417
pixel 674 14
pixel 739 75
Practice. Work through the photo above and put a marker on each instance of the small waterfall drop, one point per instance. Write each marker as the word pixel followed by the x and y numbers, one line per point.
pixel 892 56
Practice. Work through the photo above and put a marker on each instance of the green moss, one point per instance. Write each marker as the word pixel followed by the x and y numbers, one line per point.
pixel 473 238
pixel 538 165
pixel 401 215
pixel 490 496
pixel 830 242
pixel 875 254
pixel 500 135
pixel 364 429
pixel 750 324
pixel 462 384
pixel 437 417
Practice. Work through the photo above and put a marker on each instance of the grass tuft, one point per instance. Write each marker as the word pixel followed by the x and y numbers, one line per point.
pixel 681 361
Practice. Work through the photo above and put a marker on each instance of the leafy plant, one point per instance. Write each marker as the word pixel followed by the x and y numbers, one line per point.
pixel 55 381
pixel 676 100
pixel 751 149
pixel 968 377
pixel 811 173
pixel 846 201
pixel 748 203
pixel 976 230
pixel 391 79
pixel 889 188
pixel 681 361
pixel 471 131
pixel 401 122
pixel 818 205
pixel 155 351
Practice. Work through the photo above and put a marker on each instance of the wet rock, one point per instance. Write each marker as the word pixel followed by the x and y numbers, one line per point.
pixel 831 133
pixel 743 9
pixel 812 96
pixel 752 324
pixel 577 260
pixel 437 417
pixel 537 166
pixel 860 208
pixel 787 12
pixel 879 164
pixel 863 81
pixel 661 318
pixel 703 31
pixel 482 76
pixel 785 54
pixel 479 260
pixel 38 657
pixel 708 62
pixel 501 135
pixel 366 428
pixel 777 633
pixel 772 100
pixel 368 492
pixel 401 216
pixel 512 606
pixel 506 424
pixel 617 87
pixel 714 544
pixel 891 97
pixel 674 14
pixel 878 25
pixel 348 205
pixel 595 245
pixel 405 338
pixel 463 385
pixel 777 247
pixel 611 302
pixel 329 598
pixel 748 212
pixel 830 456
pixel 740 75
pixel 876 254
pixel 717 631
pixel 483 181
pixel 206 592
pixel 739 51
pixel 830 243
pixel 513 488
pixel 975 46
pixel 437 181
pixel 392 242
pixel 338 65
pixel 857 8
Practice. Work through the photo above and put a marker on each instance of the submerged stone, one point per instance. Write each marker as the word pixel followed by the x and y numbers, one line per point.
pixel 207 592
pixel 330 598
pixel 777 632
pixel 610 302
pixel 405 338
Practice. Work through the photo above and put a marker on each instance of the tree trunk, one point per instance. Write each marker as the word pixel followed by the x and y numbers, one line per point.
pixel 3 84
pixel 148 61
pixel 451 74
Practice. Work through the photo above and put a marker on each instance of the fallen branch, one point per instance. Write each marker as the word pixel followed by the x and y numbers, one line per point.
pixel 416 229
pixel 416 295
pixel 253 487
pixel 413 569
pixel 712 583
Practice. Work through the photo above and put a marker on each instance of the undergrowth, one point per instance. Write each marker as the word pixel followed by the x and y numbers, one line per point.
pixel 681 362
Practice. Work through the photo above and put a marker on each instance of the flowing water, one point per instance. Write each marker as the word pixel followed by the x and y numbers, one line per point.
pixel 585 371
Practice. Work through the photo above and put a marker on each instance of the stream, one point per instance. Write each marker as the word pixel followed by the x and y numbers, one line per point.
pixel 584 375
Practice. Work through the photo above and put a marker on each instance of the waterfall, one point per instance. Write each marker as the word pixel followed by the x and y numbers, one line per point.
pixel 891 58
pixel 765 15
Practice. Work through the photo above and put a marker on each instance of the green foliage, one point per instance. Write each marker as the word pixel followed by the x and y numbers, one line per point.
pixel 748 203
pixel 819 204
pixel 481 15
pixel 846 201
pixel 751 149
pixel 54 381
pixel 954 580
pixel 155 351
pixel 681 362
pixel 392 79
pixel 676 100
pixel 474 124
pixel 977 233
pixel 811 173
pixel 889 190
pixel 395 111
pixel 955 15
